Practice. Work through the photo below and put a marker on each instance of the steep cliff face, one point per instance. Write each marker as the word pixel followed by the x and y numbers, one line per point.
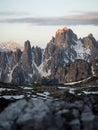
pixel 91 46
pixel 37 53
pixel 78 70
pixel 65 49
pixel 65 58
pixel 94 67
pixel 8 62
pixel 58 51
pixel 26 70
pixel 26 58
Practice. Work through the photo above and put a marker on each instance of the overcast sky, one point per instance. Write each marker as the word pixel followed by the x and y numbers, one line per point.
pixel 38 20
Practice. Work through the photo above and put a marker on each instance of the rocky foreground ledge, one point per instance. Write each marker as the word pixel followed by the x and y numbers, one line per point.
pixel 71 113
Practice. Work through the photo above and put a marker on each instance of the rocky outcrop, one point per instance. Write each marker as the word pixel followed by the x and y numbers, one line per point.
pixel 38 55
pixel 19 76
pixel 94 67
pixel 78 70
pixel 8 61
pixel 91 45
pixel 49 114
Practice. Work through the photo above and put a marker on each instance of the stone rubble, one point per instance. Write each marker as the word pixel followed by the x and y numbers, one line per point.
pixel 48 114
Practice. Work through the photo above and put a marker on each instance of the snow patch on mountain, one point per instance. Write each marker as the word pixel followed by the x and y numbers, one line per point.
pixel 42 71
pixel 81 50
pixel 92 68
pixel 10 74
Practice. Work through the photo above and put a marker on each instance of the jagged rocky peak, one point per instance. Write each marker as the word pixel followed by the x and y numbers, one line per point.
pixel 64 36
pixel 91 43
pixel 27 52
pixel 27 45
pixel 90 35
pixel 26 57
pixel 59 31
pixel 10 46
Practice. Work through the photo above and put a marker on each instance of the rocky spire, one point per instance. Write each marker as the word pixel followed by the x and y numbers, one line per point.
pixel 26 58
pixel 27 46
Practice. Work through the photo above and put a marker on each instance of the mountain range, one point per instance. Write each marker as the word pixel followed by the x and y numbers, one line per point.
pixel 65 59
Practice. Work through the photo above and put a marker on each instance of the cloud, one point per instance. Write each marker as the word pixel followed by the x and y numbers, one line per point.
pixel 89 18
pixel 12 13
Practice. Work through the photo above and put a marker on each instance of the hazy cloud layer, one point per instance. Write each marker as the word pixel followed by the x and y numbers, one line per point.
pixel 12 13
pixel 90 18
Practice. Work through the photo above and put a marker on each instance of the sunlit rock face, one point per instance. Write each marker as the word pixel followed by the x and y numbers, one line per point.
pixel 10 46
pixel 64 37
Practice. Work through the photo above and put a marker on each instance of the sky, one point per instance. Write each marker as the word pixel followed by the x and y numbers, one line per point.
pixel 38 20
